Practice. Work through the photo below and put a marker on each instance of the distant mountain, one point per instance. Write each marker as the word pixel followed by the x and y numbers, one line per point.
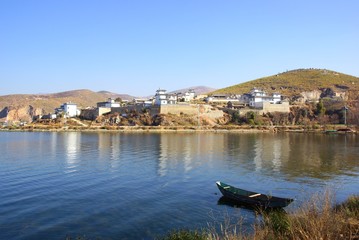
pixel 198 90
pixel 116 95
pixel 293 83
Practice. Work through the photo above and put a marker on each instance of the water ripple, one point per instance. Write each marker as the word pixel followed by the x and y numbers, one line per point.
pixel 142 185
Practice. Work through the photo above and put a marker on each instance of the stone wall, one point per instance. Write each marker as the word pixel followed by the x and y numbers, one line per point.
pixel 179 108
pixel 138 108
pixel 103 110
pixel 89 114
pixel 267 107
pixel 192 109
pixel 283 107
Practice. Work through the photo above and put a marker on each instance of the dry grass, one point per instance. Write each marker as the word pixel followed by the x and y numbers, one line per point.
pixel 294 82
pixel 318 219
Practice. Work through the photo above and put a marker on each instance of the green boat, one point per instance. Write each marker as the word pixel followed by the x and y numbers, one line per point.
pixel 252 199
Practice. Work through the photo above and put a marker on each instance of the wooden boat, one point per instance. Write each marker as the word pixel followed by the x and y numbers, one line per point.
pixel 252 198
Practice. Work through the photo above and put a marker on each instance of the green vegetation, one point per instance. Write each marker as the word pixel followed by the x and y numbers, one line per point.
pixel 184 234
pixel 294 82
pixel 320 108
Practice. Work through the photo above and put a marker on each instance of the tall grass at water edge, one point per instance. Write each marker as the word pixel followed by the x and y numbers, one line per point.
pixel 318 218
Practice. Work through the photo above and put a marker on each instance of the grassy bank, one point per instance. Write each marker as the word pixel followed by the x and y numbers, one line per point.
pixel 319 218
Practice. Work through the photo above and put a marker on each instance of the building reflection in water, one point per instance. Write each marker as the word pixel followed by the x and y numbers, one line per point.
pixel 115 151
pixel 186 151
pixel 277 153
pixel 251 151
pixel 109 150
pixel 104 144
pixel 294 155
pixel 269 152
pixel 72 145
pixel 53 145
pixel 181 153
pixel 163 158
pixel 258 158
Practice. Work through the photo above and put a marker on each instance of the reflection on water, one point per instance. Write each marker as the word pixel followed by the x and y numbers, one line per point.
pixel 258 158
pixel 188 150
pixel 277 152
pixel 135 186
pixel 72 145
pixel 291 154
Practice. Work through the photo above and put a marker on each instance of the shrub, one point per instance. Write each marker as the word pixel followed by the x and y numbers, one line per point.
pixel 185 235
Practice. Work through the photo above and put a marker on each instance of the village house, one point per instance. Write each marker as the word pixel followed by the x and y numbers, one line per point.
pixel 259 100
pixel 222 99
pixel 143 102
pixel 189 95
pixel 111 103
pixel 201 97
pixel 163 98
pixel 69 109
pixel 258 97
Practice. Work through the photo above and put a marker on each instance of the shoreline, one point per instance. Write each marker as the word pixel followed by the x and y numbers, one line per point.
pixel 193 129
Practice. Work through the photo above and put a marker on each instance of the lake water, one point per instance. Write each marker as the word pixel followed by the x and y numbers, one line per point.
pixel 140 186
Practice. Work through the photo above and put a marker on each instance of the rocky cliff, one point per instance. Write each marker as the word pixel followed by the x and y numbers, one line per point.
pixel 22 114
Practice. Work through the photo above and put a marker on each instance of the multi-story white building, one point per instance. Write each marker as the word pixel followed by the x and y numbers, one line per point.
pixel 69 110
pixel 163 98
pixel 221 99
pixel 111 103
pixel 189 95
pixel 257 97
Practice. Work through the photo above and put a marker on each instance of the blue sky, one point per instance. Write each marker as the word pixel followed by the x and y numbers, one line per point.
pixel 137 46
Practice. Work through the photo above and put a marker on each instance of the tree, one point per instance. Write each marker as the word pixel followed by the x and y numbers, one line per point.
pixel 320 108
pixel 236 117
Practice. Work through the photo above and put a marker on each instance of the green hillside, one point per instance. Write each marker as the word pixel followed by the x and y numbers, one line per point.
pixel 292 83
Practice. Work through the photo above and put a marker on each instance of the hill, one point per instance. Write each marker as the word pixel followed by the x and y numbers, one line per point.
pixel 293 83
pixel 84 98
pixel 116 95
pixel 24 106
pixel 197 89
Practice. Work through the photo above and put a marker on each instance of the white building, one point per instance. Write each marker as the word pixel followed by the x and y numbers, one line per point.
pixel 189 95
pixel 222 99
pixel 257 97
pixel 162 98
pixel 143 102
pixel 69 109
pixel 111 103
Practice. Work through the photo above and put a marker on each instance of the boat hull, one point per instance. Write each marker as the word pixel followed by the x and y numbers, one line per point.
pixel 253 199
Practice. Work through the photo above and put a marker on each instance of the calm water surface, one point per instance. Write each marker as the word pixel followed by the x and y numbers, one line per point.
pixel 140 186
